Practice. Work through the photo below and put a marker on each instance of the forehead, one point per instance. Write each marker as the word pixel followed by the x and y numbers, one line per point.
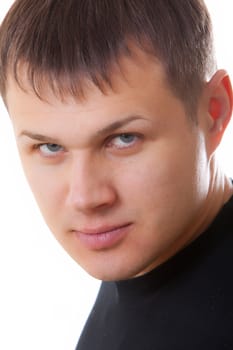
pixel 139 88
pixel 128 73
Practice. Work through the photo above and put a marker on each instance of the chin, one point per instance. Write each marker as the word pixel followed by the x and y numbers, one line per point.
pixel 110 273
pixel 107 276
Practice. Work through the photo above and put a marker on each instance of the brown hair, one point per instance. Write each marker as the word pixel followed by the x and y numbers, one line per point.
pixel 63 42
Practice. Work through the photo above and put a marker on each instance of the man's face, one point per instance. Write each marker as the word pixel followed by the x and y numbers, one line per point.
pixel 120 178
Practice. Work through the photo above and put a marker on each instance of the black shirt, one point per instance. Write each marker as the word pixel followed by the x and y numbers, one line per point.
pixel 184 304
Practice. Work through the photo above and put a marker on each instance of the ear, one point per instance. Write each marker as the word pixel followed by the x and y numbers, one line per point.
pixel 219 105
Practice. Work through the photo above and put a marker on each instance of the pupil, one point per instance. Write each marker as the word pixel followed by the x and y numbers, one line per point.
pixel 127 138
pixel 53 147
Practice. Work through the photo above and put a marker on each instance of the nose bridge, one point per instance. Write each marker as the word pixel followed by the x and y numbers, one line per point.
pixel 88 184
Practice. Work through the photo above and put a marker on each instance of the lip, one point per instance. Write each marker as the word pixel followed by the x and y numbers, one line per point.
pixel 103 237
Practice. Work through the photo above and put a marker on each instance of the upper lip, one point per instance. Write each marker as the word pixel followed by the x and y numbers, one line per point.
pixel 100 229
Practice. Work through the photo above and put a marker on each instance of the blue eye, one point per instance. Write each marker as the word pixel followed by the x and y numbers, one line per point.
pixel 50 149
pixel 127 138
pixel 124 141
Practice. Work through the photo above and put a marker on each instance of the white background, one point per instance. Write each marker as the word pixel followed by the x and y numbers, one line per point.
pixel 44 296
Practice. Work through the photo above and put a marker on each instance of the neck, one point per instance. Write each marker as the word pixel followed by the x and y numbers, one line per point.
pixel 219 192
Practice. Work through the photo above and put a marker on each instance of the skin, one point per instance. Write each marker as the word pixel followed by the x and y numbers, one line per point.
pixel 161 178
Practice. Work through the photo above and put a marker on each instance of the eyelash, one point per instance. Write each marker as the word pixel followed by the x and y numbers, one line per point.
pixel 38 147
pixel 131 144
pixel 109 143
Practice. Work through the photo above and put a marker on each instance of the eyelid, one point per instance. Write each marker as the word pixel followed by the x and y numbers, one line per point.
pixel 38 146
pixel 109 143
pixel 115 136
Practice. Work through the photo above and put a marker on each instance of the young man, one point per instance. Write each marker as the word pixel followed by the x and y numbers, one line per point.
pixel 118 109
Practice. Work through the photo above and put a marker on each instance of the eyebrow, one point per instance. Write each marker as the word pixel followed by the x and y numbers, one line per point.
pixel 118 124
pixel 39 137
pixel 108 129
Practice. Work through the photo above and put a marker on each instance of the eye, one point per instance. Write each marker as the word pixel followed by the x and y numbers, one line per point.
pixel 49 149
pixel 123 141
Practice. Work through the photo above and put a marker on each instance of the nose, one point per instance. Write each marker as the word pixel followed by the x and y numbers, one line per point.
pixel 90 186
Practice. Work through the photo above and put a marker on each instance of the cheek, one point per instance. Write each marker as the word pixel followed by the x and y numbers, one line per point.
pixel 45 185
pixel 166 176
pixel 153 172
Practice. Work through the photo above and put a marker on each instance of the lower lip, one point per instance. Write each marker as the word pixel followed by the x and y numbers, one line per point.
pixel 104 240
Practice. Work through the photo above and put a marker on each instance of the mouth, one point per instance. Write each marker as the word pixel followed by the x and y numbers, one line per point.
pixel 103 237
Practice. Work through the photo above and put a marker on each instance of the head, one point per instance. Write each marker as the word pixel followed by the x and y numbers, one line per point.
pixel 64 43
pixel 116 122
